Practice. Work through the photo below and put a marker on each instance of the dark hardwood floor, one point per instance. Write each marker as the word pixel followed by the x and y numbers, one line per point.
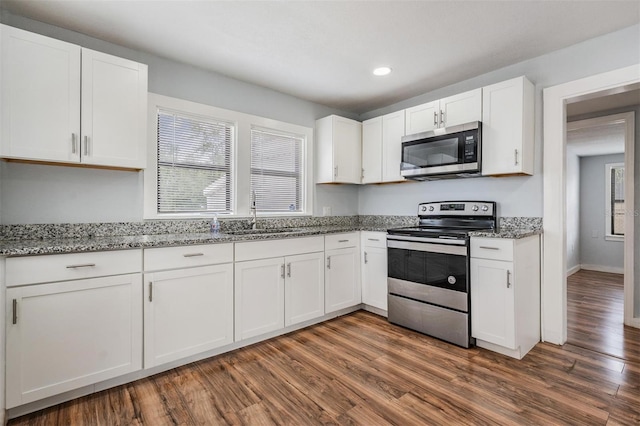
pixel 595 315
pixel 359 369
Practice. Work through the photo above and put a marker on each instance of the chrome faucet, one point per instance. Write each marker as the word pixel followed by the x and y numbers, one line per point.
pixel 254 222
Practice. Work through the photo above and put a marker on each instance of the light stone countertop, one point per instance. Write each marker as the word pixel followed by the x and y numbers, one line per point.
pixel 507 233
pixel 90 244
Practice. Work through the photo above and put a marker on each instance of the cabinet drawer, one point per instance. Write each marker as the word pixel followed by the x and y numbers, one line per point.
pixel 187 256
pixel 341 241
pixel 492 248
pixel 62 267
pixel 373 239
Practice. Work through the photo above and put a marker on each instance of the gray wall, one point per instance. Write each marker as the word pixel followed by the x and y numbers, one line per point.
pixel 573 211
pixel 33 194
pixel 594 249
pixel 52 194
pixel 521 196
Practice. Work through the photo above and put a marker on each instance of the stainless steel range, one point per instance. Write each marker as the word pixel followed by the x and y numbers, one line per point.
pixel 428 269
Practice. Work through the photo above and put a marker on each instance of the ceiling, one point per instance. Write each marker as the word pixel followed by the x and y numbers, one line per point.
pixel 325 51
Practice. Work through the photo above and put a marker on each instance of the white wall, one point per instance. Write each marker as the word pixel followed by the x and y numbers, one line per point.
pixel 573 211
pixel 520 196
pixel 596 252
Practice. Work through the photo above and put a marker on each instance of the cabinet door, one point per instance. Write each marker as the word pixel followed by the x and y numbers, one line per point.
pixel 342 279
pixel 507 128
pixel 462 108
pixel 374 277
pixel 347 150
pixel 492 302
pixel 372 150
pixel 392 133
pixel 422 118
pixel 40 89
pixel 259 297
pixel 114 105
pixel 187 312
pixel 304 288
pixel 70 334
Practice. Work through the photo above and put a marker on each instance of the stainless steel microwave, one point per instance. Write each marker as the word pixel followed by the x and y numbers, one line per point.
pixel 449 152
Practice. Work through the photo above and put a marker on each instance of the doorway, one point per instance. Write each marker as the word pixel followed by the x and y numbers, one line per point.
pixel 554 286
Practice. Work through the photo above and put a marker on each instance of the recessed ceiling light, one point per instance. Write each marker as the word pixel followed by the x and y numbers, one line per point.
pixel 382 71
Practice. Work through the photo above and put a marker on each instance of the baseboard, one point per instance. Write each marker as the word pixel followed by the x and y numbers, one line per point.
pixel 573 270
pixel 600 268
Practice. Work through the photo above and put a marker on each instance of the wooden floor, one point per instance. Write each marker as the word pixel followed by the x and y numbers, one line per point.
pixel 359 369
pixel 595 315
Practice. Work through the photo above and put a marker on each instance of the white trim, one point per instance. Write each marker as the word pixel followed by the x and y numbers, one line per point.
pixel 554 283
pixel 602 268
pixel 573 270
pixel 242 156
pixel 607 200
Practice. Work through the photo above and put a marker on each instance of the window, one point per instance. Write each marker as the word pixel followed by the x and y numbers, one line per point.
pixel 194 163
pixel 277 171
pixel 615 200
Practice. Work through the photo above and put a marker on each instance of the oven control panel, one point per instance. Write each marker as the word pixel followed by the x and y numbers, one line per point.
pixel 457 208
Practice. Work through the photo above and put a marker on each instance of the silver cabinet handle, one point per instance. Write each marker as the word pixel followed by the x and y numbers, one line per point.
pixel 508 278
pixel 192 254
pixel 362 175
pixel 366 259
pixel 435 118
pixel 282 271
pixel 289 269
pixel 328 262
pixel 335 171
pixel 81 265
pixel 73 143
pixel 515 151
pixel 15 311
pixel 373 239
pixel 489 248
pixel 150 291
pixel 343 241
pixel 86 145
pixel 441 117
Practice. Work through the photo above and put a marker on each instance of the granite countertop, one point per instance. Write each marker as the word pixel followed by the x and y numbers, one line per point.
pixel 89 244
pixel 510 233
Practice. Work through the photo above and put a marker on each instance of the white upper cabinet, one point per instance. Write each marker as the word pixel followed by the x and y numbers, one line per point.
pixel 508 128
pixel 114 105
pixel 372 150
pixel 339 142
pixel 45 95
pixel 40 92
pixel 458 109
pixel 392 133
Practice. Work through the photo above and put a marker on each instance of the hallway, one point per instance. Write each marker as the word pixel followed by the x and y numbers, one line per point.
pixel 595 315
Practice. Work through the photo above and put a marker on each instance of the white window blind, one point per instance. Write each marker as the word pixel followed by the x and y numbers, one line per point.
pixel 194 163
pixel 277 173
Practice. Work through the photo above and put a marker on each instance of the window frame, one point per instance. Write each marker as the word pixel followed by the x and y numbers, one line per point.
pixel 608 235
pixel 241 162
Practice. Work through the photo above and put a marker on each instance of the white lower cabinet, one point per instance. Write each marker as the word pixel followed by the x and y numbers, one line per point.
pixel 187 311
pixel 304 288
pixel 65 335
pixel 374 269
pixel 259 298
pixel 505 294
pixel 275 287
pixel 342 274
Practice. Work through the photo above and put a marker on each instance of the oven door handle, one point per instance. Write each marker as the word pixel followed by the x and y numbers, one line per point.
pixel 447 241
pixel 427 247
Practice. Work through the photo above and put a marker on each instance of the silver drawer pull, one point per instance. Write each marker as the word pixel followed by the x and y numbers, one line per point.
pixel 343 241
pixel 373 239
pixel 15 311
pixel 489 248
pixel 193 254
pixel 81 265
